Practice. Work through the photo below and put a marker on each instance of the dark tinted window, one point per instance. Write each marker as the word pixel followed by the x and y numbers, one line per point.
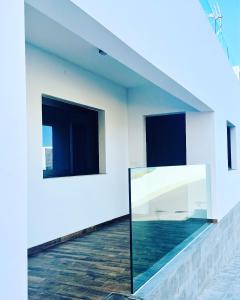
pixel 70 139
pixel 229 150
pixel 166 140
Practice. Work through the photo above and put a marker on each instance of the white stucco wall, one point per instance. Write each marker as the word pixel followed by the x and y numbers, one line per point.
pixel 200 140
pixel 178 40
pixel 69 204
pixel 227 181
pixel 60 206
pixel 193 61
pixel 13 158
pixel 143 101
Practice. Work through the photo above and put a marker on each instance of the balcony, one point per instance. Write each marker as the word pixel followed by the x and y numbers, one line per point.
pixel 169 208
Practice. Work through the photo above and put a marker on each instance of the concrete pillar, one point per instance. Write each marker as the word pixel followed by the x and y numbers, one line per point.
pixel 13 152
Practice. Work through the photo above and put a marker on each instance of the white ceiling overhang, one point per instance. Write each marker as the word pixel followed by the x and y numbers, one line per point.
pixel 64 29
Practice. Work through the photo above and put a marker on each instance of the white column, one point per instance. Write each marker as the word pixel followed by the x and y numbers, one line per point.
pixel 200 140
pixel 13 152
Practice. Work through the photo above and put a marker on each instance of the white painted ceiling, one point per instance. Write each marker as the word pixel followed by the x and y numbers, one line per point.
pixel 45 33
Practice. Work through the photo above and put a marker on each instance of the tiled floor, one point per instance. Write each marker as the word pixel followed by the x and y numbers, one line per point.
pixel 92 266
pixel 86 268
pixel 226 285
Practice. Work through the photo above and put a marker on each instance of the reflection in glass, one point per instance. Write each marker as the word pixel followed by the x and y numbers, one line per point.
pixel 70 139
pixel 47 148
pixel 169 206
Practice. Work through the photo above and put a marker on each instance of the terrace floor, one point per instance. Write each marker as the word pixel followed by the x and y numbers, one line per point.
pixel 93 266
pixel 88 267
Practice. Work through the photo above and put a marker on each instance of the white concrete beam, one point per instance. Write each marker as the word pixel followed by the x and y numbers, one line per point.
pixel 72 17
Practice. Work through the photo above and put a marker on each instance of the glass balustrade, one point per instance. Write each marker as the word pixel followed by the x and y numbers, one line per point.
pixel 223 17
pixel 169 207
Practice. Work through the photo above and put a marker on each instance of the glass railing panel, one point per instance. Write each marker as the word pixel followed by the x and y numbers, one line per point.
pixel 224 19
pixel 169 207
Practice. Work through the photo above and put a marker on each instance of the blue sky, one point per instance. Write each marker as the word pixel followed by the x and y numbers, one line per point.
pixel 47 136
pixel 230 10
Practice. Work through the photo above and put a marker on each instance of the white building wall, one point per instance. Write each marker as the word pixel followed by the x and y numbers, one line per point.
pixel 200 140
pixel 69 204
pixel 178 40
pixel 142 101
pixel 60 206
pixel 195 62
pixel 227 181
pixel 13 158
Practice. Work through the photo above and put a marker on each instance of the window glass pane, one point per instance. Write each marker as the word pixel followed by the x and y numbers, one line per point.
pixel 47 147
pixel 70 143
pixel 229 147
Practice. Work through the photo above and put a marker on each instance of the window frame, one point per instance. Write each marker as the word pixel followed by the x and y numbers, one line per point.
pixel 231 147
pixel 99 156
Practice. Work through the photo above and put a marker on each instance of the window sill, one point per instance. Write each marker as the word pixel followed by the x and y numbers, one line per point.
pixel 70 176
pixel 232 169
